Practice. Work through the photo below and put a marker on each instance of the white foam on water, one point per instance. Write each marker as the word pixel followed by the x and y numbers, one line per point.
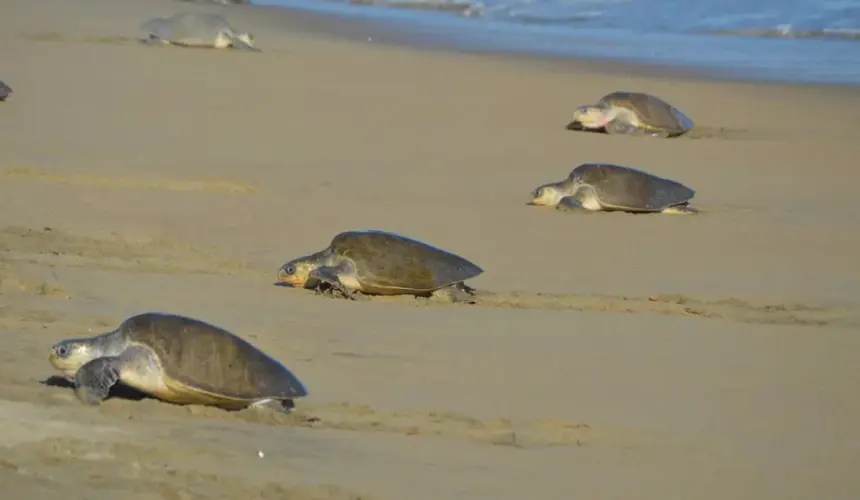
pixel 765 40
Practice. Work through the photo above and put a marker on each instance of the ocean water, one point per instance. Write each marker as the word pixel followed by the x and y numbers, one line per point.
pixel 777 40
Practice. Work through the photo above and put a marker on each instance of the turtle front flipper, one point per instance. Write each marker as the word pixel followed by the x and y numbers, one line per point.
pixel 572 204
pixel 620 126
pixel 575 125
pixel 340 278
pixel 94 379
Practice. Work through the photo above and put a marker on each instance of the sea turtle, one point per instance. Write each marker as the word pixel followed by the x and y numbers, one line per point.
pixel 5 90
pixel 593 187
pixel 179 360
pixel 382 263
pixel 197 29
pixel 631 113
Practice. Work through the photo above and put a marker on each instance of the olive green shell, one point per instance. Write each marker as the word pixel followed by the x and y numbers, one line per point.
pixel 210 359
pixel 626 188
pixel 387 262
pixel 654 113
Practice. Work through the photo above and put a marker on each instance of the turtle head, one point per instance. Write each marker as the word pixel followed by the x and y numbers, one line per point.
pixel 547 195
pixel 590 117
pixel 295 273
pixel 70 354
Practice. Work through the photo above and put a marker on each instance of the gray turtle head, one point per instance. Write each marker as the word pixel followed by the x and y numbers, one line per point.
pixel 592 117
pixel 550 194
pixel 70 354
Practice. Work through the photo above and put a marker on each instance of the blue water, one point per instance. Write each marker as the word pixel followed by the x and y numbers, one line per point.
pixel 777 40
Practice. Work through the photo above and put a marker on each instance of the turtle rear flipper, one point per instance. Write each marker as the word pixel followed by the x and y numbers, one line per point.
pixel 458 293
pixel 153 40
pixel 278 405
pixel 683 209
pixel 241 40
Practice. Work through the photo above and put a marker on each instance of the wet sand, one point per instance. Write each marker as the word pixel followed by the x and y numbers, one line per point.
pixel 613 356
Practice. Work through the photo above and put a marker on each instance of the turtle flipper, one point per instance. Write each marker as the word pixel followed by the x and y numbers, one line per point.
pixel 153 41
pixel 94 380
pixel 683 209
pixel 575 125
pixel 239 42
pixel 278 405
pixel 621 126
pixel 572 204
pixel 662 134
pixel 456 293
pixel 332 276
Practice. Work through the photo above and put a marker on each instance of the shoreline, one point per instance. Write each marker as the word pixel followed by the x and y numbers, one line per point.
pixel 430 29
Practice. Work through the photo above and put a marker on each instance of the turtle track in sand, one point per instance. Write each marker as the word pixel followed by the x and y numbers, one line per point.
pixel 48 453
pixel 774 312
pixel 747 311
pixel 127 404
pixel 723 133
pixel 499 431
pixel 115 40
pixel 44 388
pixel 50 247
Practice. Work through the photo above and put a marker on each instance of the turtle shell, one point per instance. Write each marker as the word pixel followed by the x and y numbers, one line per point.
pixel 210 359
pixel 193 29
pixel 653 112
pixel 388 263
pixel 625 188
pixel 5 90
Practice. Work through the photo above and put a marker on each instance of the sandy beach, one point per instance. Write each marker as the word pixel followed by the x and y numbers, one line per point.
pixel 705 357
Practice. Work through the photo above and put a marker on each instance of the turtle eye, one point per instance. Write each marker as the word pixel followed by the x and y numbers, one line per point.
pixel 291 269
pixel 62 350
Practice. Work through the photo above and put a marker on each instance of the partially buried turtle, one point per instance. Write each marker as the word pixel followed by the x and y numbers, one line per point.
pixel 593 187
pixel 197 29
pixel 382 263
pixel 5 90
pixel 179 360
pixel 631 113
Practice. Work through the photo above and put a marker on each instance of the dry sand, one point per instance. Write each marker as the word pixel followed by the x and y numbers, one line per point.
pixel 623 357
